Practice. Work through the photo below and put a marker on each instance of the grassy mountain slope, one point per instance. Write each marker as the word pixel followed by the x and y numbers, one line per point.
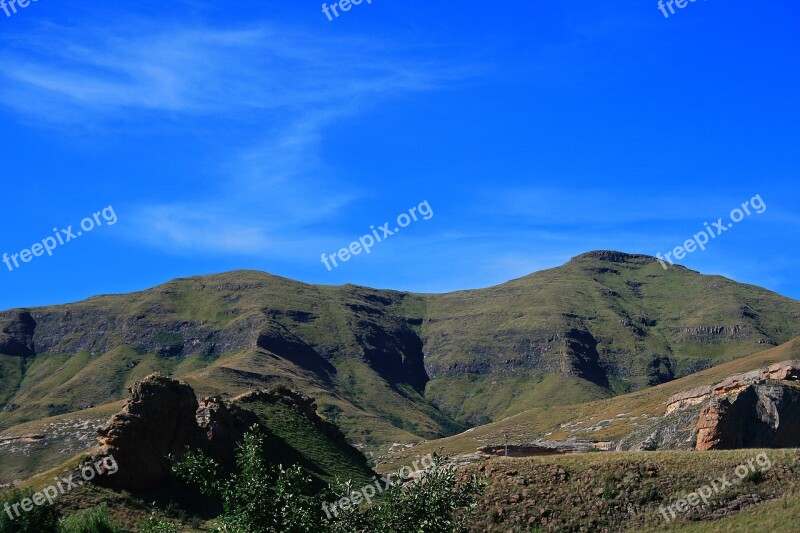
pixel 350 347
pixel 620 322
pixel 293 439
pixel 387 366
pixel 594 421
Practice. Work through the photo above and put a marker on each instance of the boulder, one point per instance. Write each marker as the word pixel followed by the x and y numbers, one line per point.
pixel 758 416
pixel 158 420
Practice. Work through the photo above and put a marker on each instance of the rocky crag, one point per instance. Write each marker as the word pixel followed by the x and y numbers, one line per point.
pixel 163 418
pixel 758 409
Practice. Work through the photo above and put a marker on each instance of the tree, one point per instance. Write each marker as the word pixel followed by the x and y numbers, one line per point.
pixel 261 498
pixel 258 497
pixel 39 519
pixel 436 502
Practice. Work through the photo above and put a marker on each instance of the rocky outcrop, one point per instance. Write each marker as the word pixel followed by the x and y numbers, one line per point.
pixel 674 431
pixel 616 257
pixel 223 426
pixel 157 421
pixel 20 439
pixel 749 410
pixel 17 333
pixel 163 418
pixel 785 371
pixel 758 416
pixel 695 396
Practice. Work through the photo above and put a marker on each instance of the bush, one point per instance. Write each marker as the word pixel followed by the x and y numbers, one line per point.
pixel 260 498
pixel 40 519
pixel 90 521
pixel 437 502
pixel 155 525
pixel 755 477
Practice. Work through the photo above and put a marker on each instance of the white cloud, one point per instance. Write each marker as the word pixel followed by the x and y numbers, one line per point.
pixel 197 70
pixel 284 86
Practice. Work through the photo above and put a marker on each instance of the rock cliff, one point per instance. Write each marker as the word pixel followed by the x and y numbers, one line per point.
pixel 759 409
pixel 162 418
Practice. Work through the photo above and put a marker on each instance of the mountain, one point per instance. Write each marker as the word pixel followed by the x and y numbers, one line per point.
pixel 604 323
pixel 392 367
pixel 628 421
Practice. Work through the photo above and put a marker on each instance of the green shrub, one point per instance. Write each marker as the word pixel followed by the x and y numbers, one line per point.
pixel 153 524
pixel 260 498
pixel 40 519
pixel 94 520
pixel 436 502
pixel 755 477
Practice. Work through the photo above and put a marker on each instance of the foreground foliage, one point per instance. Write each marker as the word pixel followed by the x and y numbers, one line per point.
pixel 261 498
pixel 90 521
pixel 40 519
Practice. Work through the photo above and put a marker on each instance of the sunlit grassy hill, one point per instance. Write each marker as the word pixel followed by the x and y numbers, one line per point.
pixel 387 366
pixel 621 414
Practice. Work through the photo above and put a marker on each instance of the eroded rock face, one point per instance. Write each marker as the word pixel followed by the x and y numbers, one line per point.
pixel 157 421
pixel 750 410
pixel 688 398
pixel 16 337
pixel 164 417
pixel 223 426
pixel 785 371
pixel 758 416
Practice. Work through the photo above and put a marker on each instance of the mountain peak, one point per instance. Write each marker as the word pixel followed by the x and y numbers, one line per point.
pixel 615 257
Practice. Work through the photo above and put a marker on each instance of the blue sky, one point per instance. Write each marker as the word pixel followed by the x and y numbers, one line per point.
pixel 258 135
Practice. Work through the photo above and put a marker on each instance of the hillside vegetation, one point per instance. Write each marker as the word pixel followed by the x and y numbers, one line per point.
pixel 625 491
pixel 393 367
pixel 605 420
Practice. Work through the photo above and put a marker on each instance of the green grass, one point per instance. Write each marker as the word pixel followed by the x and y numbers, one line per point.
pixel 547 422
pixel 293 439
pixel 480 399
pixel 90 521
pixel 624 491
pixel 778 516
pixel 397 367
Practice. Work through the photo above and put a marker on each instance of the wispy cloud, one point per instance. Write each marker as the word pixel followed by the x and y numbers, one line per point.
pixel 283 85
pixel 197 70
pixel 268 201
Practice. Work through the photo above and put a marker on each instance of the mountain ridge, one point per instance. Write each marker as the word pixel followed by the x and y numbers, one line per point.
pixel 393 366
